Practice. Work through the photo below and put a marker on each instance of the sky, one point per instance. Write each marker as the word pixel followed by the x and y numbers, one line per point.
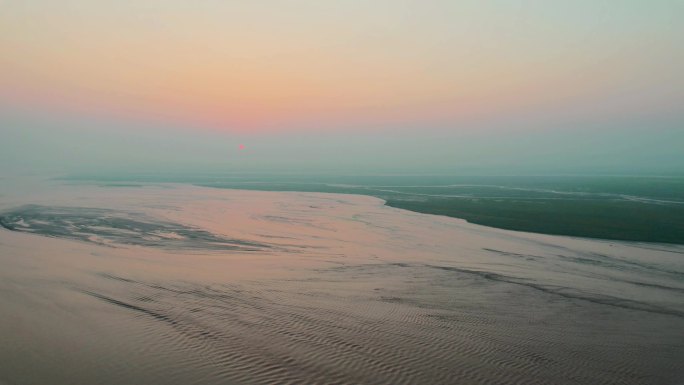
pixel 422 86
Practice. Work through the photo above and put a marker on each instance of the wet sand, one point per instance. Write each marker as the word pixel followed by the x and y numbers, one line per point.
pixel 175 284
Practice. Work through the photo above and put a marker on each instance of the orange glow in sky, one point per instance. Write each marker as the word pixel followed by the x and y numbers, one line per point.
pixel 289 65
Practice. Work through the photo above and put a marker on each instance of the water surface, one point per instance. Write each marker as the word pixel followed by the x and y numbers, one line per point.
pixel 174 284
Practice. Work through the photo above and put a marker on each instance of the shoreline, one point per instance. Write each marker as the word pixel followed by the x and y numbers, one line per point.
pixel 407 205
pixel 612 210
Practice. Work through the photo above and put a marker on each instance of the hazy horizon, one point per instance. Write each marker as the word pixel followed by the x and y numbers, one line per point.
pixel 438 87
pixel 341 192
pixel 87 146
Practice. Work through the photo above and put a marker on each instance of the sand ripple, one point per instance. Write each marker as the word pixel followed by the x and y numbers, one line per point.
pixel 394 324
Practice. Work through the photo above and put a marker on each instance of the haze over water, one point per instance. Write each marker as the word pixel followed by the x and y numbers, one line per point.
pixel 296 191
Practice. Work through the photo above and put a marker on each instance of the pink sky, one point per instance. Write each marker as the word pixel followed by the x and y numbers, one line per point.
pixel 296 65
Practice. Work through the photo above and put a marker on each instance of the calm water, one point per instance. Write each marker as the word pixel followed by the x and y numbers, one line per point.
pixel 632 208
pixel 173 284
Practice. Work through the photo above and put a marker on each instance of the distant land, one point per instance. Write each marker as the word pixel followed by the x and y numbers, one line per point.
pixel 627 208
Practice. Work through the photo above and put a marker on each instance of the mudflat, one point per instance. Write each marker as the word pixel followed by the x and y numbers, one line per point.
pixel 172 284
